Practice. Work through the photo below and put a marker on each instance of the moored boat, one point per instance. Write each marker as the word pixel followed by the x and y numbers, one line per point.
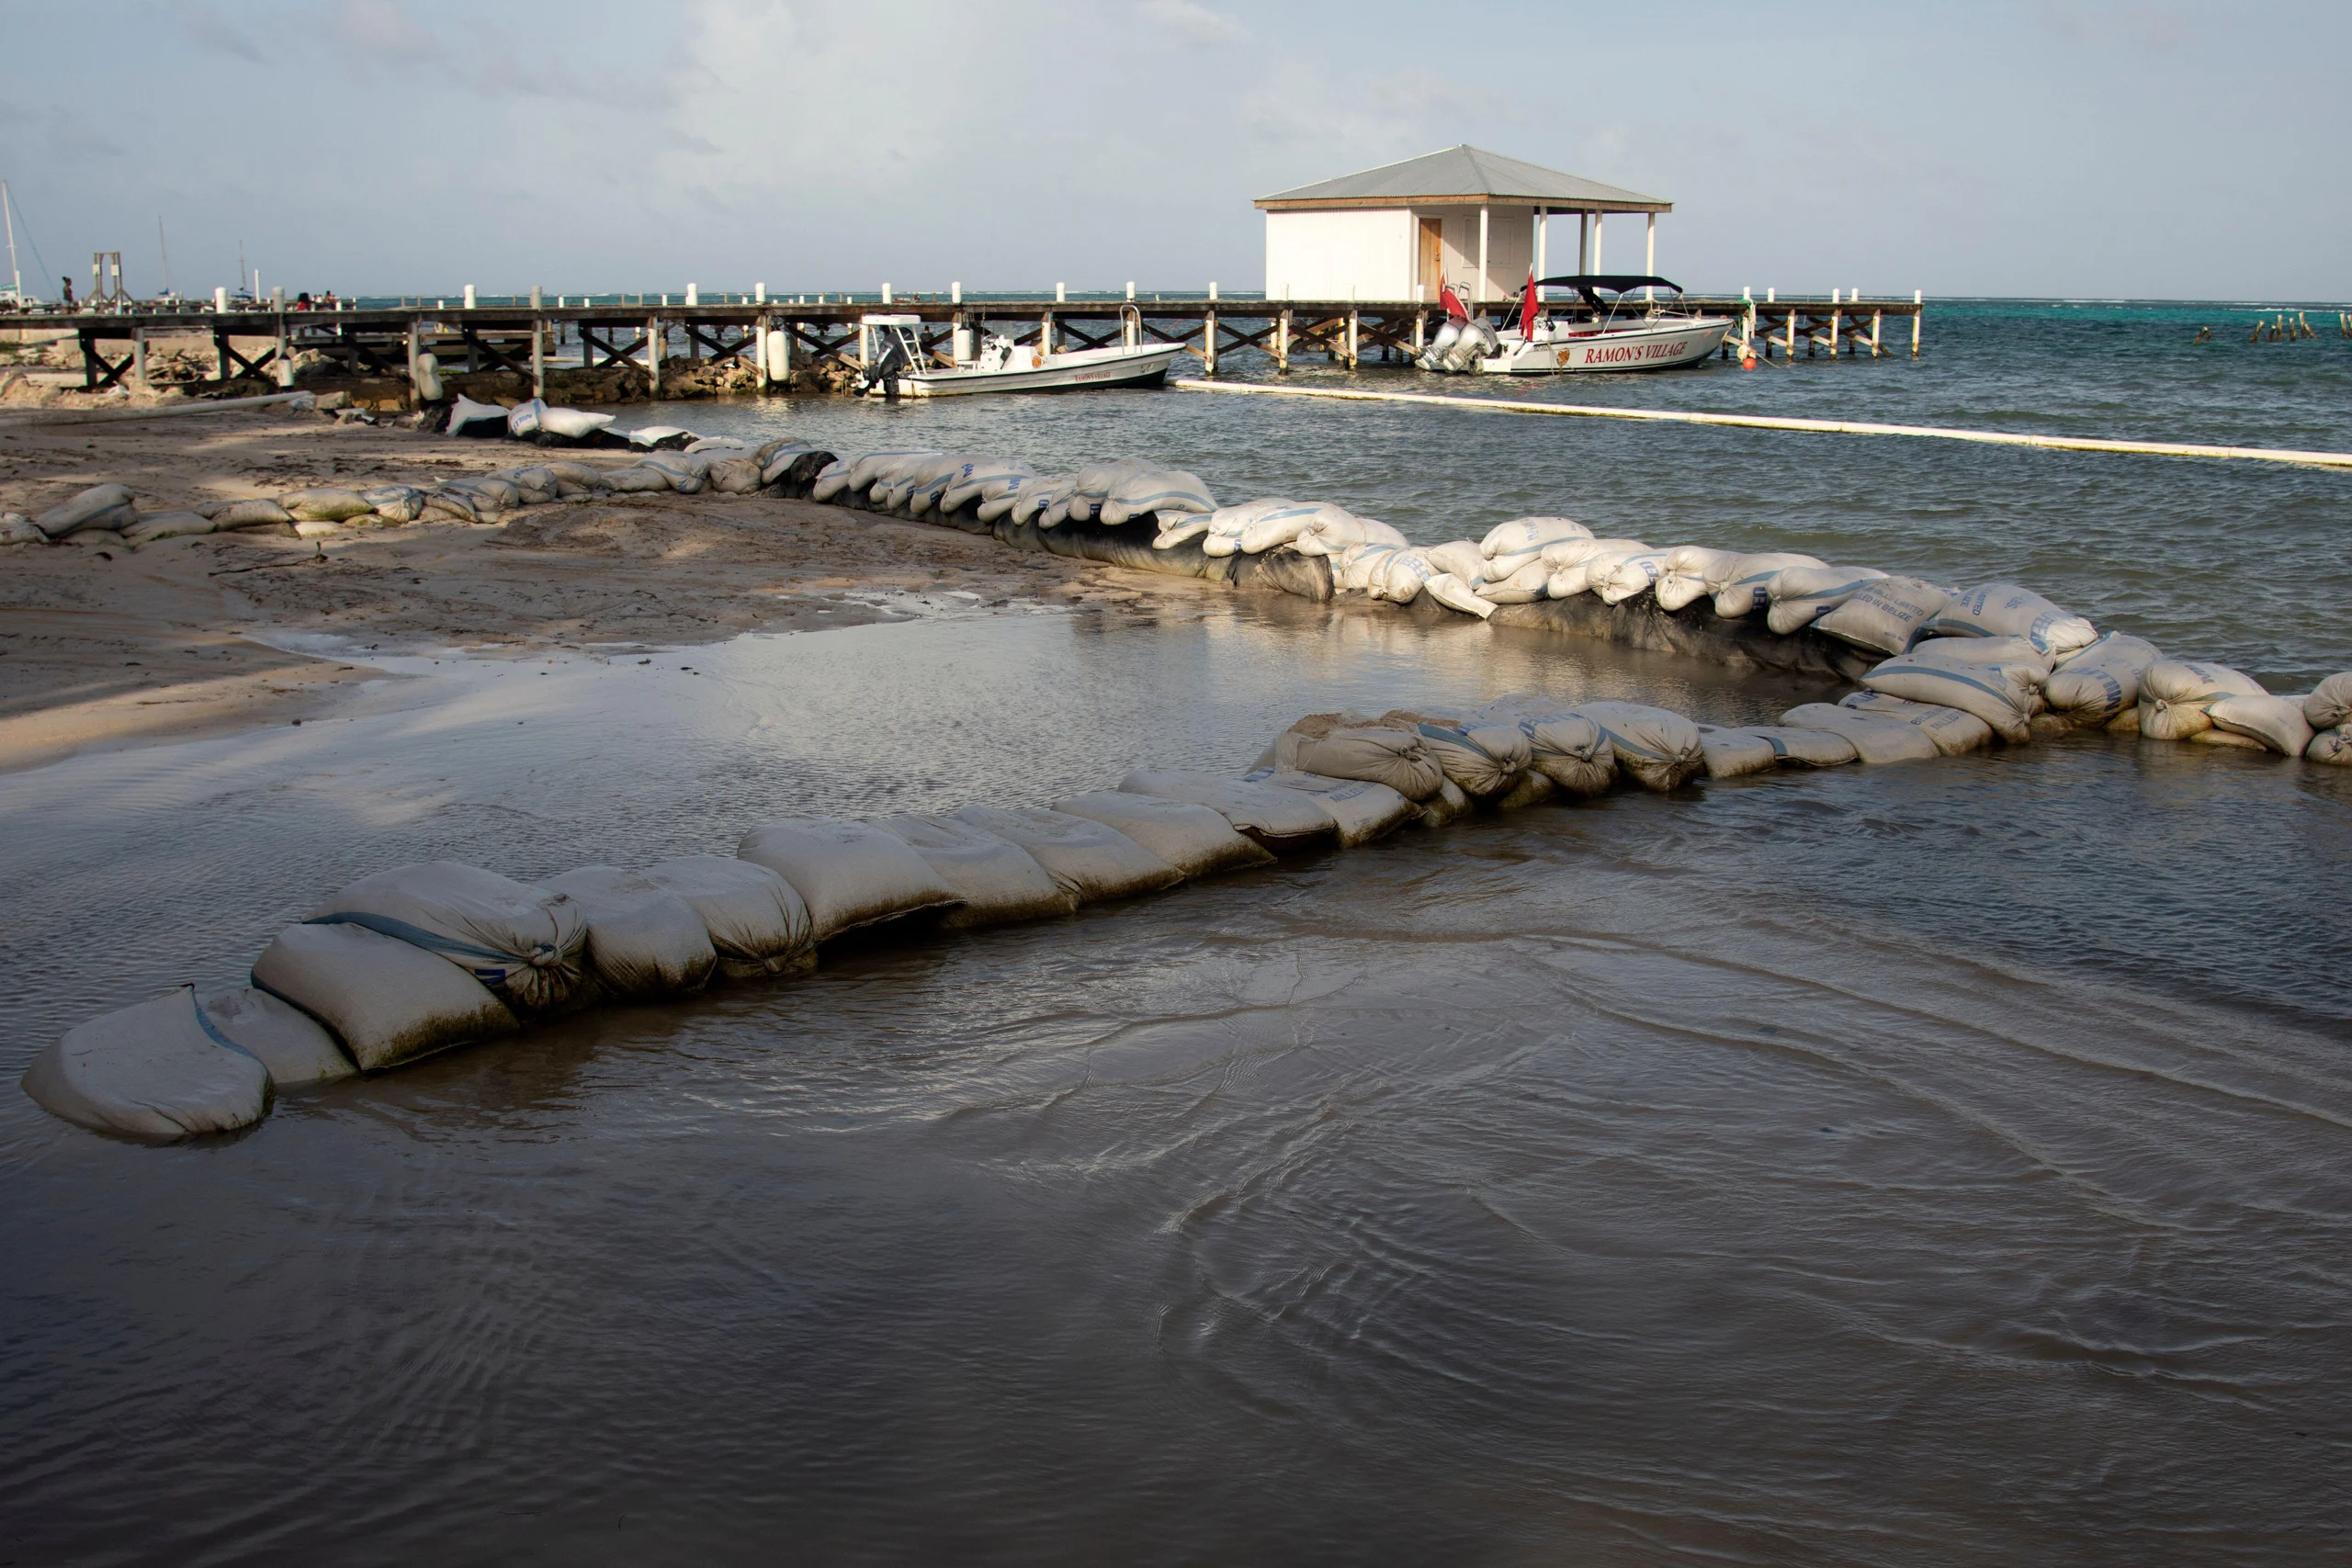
pixel 1606 330
pixel 899 366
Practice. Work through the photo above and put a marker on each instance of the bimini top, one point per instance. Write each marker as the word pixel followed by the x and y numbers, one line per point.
pixel 1463 177
pixel 1615 282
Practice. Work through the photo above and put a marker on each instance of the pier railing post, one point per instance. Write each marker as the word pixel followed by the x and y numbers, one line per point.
pixel 1919 303
pixel 1355 325
pixel 1833 323
pixel 1876 318
pixel 760 344
pixel 1208 341
pixel 653 353
pixel 1281 339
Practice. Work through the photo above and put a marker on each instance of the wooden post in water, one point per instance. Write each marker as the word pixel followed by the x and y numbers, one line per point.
pixel 1916 299
pixel 139 356
pixel 1876 318
pixel 1833 323
pixel 538 344
pixel 1208 333
pixel 1791 352
pixel 1281 339
pixel 653 353
pixel 1355 320
pixel 760 344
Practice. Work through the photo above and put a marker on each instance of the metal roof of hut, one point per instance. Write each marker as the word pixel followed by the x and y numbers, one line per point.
pixel 1465 176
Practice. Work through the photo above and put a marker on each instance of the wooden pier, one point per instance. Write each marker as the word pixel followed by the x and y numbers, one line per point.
pixel 776 337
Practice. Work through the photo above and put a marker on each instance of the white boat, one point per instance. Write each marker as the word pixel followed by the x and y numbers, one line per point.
pixel 899 367
pixel 1614 333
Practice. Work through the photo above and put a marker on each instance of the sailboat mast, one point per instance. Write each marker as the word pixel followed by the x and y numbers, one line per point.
pixel 15 279
pixel 164 251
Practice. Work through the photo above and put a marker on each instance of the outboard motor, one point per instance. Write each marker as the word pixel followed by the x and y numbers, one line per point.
pixel 1433 357
pixel 884 372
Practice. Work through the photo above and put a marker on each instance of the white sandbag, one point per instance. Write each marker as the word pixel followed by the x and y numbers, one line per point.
pixel 1523 586
pixel 869 467
pixel 1740 584
pixel 758 924
pixel 1795 746
pixel 1953 731
pixel 848 873
pixel 1521 534
pixel 643 940
pixel 2333 747
pixel 1232 524
pixel 1888 613
pixel 1456 594
pixel 831 481
pixel 975 479
pixel 1361 566
pixel 15 528
pixel 537 483
pixel 635 480
pixel 157 1070
pixel 1531 789
pixel 651 435
pixel 1360 809
pixel 999 497
pixel 428 378
pixel 1448 803
pixel 576 479
pixel 1335 528
pixel 2277 722
pixel 523 943
pixel 1093 484
pixel 1732 753
pixel 573 425
pixel 1483 758
pixel 285 1040
pixel 1346 746
pixel 100 506
pixel 1580 565
pixel 2015 651
pixel 2176 693
pixel 1285 523
pixel 777 458
pixel 395 503
pixel 388 1000
pixel 1091 860
pixel 2004 609
pixel 1800 596
pixel 1496 568
pixel 1628 577
pixel 2329 703
pixel 734 476
pixel 467 416
pixel 326 504
pixel 153 526
pixel 1193 838
pixel 2003 696
pixel 996 880
pixel 1163 490
pixel 1043 500
pixel 1656 747
pixel 1565 746
pixel 1402 580
pixel 1182 525
pixel 1877 740
pixel 687 476
pixel 1689 573
pixel 1460 556
pixel 1277 815
pixel 523 421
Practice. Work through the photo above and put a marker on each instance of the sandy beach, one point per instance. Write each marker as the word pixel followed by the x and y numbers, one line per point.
pixel 104 644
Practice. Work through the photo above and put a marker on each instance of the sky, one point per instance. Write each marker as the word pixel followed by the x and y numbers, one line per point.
pixel 2072 148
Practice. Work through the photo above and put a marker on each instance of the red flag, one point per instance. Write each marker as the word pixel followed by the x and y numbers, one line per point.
pixel 1527 308
pixel 1454 306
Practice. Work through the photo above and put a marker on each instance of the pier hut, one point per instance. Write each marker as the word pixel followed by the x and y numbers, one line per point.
pixel 1464 216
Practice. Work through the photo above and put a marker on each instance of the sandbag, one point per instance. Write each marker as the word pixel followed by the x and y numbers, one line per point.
pixel 2277 722
pixel 1533 789
pixel 2001 695
pixel 1448 803
pixel 718 444
pixel 660 437
pixel 1876 739
pixel 100 506
pixel 1888 613
pixel 1406 574
pixel 395 503
pixel 388 1000
pixel 1732 753
pixel 1565 746
pixel 2176 693
pixel 1177 529
pixel 1339 745
pixel 734 476
pixel 1741 584
pixel 159 1070
pixel 1456 594
pixel 286 1041
pixel 1952 732
pixel 870 467
pixel 1483 758
pixel 1656 747
pixel 573 425
pixel 1335 528
pixel 1801 595
pixel 1360 809
pixel 1522 586
pixel 15 528
pixel 758 924
pixel 996 880
pixel 643 940
pixel 524 945
pixel 2098 683
pixel 1524 534
pixel 1795 746
pixel 2015 651
pixel 1091 860
pixel 1163 490
pixel 258 512
pixel 635 481
pixel 2331 746
pixel 1093 484
pixel 1036 499
pixel 2004 609
pixel 977 478
pixel 523 419
pixel 1460 556
pixel 1193 838
pixel 1582 564
pixel 1690 571
pixel 536 485
pixel 2329 703
pixel 1277 818
pixel 831 481
pixel 467 417
pixel 848 873
pixel 687 476
pixel 1229 526
pixel 153 526
pixel 1361 566
pixel 1628 577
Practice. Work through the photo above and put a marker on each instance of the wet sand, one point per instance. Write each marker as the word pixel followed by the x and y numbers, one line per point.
pixel 104 644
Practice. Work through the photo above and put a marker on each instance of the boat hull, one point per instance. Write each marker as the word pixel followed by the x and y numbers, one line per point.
pixel 1659 347
pixel 1090 370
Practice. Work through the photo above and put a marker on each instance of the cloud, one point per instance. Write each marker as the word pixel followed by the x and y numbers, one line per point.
pixel 1193 22
pixel 383 31
pixel 209 28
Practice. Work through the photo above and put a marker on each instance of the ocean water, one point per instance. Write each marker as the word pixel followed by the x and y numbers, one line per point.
pixel 1933 1163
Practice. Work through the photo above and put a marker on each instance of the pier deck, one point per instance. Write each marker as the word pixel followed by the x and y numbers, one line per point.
pixel 530 339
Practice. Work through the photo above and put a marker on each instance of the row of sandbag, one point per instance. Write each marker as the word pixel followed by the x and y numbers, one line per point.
pixel 726 467
pixel 536 421
pixel 922 483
